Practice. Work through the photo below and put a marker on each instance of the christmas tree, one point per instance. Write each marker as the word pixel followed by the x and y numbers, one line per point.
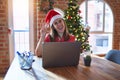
pixel 75 24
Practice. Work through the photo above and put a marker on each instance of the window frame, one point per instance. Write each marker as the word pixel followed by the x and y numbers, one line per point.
pixel 103 25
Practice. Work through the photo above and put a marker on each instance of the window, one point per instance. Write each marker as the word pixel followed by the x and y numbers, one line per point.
pixel 20 21
pixel 21 24
pixel 98 15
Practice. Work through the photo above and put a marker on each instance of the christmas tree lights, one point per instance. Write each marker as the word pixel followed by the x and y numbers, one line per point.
pixel 75 24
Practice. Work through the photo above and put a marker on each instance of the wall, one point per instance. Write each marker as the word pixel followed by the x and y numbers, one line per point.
pixel 4 45
pixel 115 6
pixel 39 19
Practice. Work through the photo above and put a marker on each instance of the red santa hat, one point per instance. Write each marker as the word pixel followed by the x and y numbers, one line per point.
pixel 51 16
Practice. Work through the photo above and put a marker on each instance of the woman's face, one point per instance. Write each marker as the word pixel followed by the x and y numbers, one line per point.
pixel 59 25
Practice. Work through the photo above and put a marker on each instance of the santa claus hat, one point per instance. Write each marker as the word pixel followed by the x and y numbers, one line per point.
pixel 51 16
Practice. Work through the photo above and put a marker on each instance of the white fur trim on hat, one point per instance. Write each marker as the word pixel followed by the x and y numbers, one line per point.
pixel 54 18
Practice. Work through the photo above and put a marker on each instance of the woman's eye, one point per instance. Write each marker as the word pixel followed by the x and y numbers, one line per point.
pixel 60 21
pixel 55 23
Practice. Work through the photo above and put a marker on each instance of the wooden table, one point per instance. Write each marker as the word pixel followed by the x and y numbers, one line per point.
pixel 100 69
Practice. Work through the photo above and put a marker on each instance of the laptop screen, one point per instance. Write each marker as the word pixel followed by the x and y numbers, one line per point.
pixel 57 54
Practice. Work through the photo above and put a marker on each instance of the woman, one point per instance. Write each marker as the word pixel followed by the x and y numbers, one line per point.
pixel 58 31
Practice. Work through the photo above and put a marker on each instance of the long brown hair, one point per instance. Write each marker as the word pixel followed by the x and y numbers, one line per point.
pixel 54 33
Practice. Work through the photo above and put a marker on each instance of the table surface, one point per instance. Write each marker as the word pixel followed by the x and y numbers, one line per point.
pixel 100 69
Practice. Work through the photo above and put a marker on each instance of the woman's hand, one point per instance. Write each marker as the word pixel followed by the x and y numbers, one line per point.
pixel 43 30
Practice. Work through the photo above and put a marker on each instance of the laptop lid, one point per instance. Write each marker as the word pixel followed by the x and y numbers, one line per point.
pixel 57 54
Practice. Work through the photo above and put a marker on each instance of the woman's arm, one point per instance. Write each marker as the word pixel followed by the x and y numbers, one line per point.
pixel 43 31
pixel 38 50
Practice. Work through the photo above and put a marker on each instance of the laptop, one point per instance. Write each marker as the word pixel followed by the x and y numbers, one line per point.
pixel 59 54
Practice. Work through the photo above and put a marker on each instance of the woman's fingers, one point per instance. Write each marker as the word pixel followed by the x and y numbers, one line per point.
pixel 46 25
pixel 43 30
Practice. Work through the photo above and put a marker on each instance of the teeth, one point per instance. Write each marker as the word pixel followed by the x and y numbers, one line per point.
pixel 60 27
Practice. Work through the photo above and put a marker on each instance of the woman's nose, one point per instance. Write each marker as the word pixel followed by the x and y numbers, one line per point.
pixel 59 24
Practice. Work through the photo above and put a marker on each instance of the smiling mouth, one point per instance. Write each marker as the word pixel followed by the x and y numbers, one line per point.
pixel 60 28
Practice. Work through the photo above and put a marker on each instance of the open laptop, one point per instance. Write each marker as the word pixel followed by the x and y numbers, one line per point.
pixel 58 54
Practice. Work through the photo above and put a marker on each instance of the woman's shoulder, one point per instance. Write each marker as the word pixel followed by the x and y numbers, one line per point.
pixel 47 37
pixel 47 34
pixel 72 37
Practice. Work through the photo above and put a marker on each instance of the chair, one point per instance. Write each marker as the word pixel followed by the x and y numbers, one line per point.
pixel 114 56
